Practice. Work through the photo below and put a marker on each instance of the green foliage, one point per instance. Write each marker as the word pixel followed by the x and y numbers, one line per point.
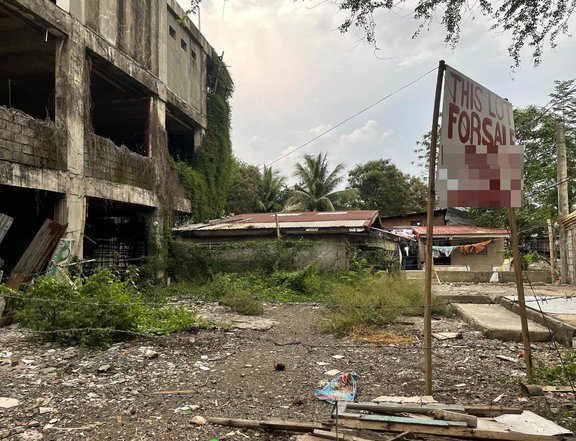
pixel 382 186
pixel 558 374
pixel 100 308
pixel 272 190
pixel 243 302
pixel 245 189
pixel 193 262
pixel 315 190
pixel 530 23
pixel 207 176
pixel 362 302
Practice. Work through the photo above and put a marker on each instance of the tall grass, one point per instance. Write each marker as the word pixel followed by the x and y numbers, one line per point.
pixel 372 301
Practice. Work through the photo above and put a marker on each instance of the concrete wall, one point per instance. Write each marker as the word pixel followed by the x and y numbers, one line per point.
pixel 473 262
pixel 104 160
pixel 186 75
pixel 483 261
pixel 485 276
pixel 28 141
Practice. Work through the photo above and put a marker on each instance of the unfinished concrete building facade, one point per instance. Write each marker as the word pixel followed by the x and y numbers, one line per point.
pixel 94 97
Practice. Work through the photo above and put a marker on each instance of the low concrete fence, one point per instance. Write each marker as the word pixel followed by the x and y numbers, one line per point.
pixel 487 276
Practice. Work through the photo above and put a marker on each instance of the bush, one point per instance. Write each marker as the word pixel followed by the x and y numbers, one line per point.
pixel 560 374
pixel 100 308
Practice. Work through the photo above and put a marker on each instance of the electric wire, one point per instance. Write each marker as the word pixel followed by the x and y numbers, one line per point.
pixel 348 119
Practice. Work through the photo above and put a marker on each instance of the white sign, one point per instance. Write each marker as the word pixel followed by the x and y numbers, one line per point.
pixel 479 163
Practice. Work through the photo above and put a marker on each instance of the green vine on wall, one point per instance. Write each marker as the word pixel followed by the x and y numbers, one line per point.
pixel 206 177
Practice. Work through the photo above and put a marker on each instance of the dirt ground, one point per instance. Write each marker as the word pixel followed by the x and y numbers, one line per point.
pixel 74 393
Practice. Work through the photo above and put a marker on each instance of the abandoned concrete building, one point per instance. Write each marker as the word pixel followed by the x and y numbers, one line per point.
pixel 94 98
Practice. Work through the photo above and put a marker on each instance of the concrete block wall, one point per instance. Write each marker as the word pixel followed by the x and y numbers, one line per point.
pixel 104 160
pixel 30 141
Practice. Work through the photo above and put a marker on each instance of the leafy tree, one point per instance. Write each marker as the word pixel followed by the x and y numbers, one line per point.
pixel 245 190
pixel 382 186
pixel 530 22
pixel 315 190
pixel 272 186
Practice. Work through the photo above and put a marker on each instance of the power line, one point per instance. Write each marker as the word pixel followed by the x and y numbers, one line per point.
pixel 350 117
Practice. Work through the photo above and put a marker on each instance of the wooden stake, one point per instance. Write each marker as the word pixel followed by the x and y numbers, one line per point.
pixel 520 288
pixel 552 247
pixel 277 226
pixel 430 235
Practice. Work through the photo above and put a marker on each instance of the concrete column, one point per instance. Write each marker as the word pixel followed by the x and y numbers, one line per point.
pixel 157 246
pixel 71 90
pixel 162 42
pixel 71 210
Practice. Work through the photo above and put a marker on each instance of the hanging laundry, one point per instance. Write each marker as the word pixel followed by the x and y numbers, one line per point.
pixel 474 248
pixel 443 250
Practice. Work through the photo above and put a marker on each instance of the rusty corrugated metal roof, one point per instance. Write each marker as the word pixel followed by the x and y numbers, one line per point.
pixel 569 222
pixel 335 219
pixel 5 223
pixel 461 230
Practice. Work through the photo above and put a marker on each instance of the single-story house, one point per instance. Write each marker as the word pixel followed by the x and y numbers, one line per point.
pixel 333 233
pixel 463 247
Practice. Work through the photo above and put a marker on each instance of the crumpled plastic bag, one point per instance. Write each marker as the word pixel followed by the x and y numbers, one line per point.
pixel 341 388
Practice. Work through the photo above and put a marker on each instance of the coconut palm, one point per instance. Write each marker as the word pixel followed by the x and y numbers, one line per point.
pixel 316 185
pixel 272 184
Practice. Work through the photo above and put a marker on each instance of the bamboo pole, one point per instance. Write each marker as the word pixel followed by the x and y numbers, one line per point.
pixel 430 235
pixel 520 289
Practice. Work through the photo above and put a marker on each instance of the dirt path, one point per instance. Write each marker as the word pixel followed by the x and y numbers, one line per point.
pixel 71 393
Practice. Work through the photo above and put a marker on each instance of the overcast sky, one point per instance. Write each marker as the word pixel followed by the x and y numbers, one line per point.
pixel 297 76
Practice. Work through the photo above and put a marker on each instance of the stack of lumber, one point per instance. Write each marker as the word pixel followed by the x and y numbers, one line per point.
pixel 357 421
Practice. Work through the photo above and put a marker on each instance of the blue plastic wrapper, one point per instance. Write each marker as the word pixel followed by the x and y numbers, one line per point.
pixel 341 388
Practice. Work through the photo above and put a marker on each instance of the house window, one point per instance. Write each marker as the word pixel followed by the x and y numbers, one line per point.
pixel 193 54
pixel 183 44
pixel 172 32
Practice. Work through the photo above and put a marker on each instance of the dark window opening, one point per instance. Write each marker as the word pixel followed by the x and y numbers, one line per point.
pixel 180 135
pixel 120 105
pixel 172 31
pixel 193 54
pixel 29 208
pixel 115 234
pixel 27 66
pixel 183 44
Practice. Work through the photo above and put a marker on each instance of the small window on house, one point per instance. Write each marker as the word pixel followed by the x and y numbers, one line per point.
pixel 172 31
pixel 193 54
pixel 183 44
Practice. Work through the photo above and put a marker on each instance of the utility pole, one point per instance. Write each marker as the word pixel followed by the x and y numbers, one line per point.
pixel 562 176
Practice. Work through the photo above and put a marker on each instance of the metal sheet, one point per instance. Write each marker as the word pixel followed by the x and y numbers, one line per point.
pixel 5 224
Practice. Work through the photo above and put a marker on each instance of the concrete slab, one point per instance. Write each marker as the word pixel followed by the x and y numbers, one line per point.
pixel 550 304
pixel 497 322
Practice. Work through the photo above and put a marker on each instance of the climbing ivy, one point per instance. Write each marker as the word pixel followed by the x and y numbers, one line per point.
pixel 206 176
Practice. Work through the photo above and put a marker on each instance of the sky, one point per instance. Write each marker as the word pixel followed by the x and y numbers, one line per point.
pixel 297 76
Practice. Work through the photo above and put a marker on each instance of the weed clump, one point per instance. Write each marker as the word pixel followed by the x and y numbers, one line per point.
pixel 364 303
pixel 243 302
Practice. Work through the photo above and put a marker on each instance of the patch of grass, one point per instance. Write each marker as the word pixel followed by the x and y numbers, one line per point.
pixel 243 302
pixel 366 303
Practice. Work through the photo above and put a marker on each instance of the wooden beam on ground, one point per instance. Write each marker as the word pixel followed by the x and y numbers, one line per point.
pixel 272 424
pixel 491 410
pixel 451 432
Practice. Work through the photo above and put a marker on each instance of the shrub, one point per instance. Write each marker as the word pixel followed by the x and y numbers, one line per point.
pixel 243 302
pixel 93 310
pixel 559 374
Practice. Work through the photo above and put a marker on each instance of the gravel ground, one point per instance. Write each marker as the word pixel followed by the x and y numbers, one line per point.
pixel 75 393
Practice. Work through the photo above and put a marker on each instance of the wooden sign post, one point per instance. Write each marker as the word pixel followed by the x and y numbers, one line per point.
pixel 517 260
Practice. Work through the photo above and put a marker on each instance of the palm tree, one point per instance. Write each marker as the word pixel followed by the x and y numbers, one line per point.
pixel 315 189
pixel 272 183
